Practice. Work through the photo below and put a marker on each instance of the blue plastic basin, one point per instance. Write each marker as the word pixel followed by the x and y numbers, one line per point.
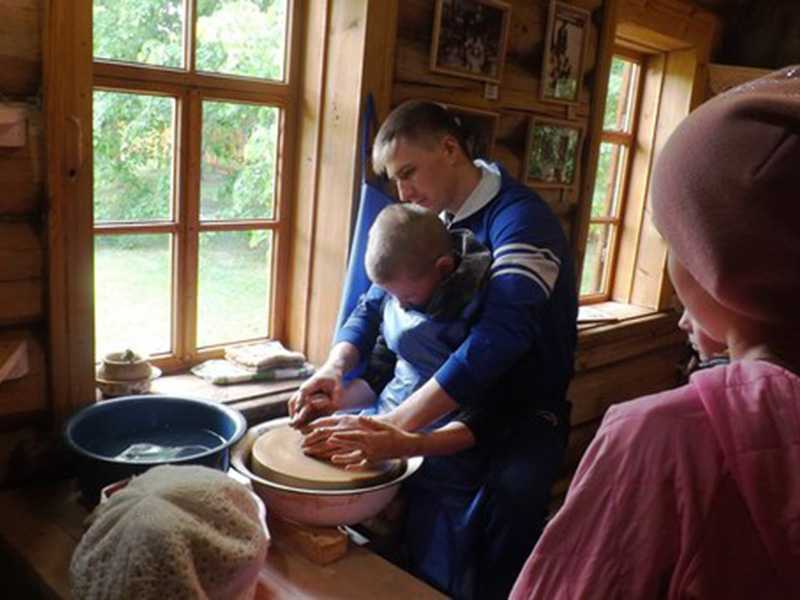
pixel 118 438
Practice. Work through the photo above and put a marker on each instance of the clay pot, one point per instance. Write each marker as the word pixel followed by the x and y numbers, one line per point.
pixel 124 366
pixel 125 374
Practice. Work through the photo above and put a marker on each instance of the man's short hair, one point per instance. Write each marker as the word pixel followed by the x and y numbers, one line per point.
pixel 405 240
pixel 419 122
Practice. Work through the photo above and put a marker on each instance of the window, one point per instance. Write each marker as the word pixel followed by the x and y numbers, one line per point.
pixel 617 145
pixel 189 125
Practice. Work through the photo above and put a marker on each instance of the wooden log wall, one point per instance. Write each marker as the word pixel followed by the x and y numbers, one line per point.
pixel 518 99
pixel 22 199
pixel 615 365
pixel 758 34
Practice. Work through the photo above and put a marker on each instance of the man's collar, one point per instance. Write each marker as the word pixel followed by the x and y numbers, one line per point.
pixel 483 193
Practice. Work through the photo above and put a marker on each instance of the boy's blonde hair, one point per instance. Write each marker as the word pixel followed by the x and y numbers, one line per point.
pixel 405 240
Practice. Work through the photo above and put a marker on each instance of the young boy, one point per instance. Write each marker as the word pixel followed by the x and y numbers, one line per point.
pixel 429 291
pixel 430 282
pixel 695 492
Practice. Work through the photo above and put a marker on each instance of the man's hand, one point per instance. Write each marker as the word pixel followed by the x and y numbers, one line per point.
pixel 369 441
pixel 317 397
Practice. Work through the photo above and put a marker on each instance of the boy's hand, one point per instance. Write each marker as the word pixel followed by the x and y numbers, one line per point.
pixel 317 435
pixel 318 396
pixel 371 440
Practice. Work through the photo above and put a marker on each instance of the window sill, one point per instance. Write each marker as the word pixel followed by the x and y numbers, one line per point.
pixel 633 331
pixel 609 313
pixel 257 401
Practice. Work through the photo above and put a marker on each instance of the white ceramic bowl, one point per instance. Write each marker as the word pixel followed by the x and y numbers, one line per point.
pixel 326 508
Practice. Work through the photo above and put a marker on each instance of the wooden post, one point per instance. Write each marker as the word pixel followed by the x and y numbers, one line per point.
pixel 68 105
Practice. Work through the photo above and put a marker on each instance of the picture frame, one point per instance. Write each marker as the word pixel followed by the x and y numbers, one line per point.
pixel 470 38
pixel 564 51
pixel 480 127
pixel 553 152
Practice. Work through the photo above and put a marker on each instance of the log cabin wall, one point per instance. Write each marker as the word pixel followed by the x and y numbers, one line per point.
pixel 764 35
pixel 23 401
pixel 518 90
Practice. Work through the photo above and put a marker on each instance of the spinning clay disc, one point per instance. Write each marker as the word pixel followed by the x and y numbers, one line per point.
pixel 277 456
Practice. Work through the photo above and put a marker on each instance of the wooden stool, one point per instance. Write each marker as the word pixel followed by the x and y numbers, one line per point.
pixel 320 545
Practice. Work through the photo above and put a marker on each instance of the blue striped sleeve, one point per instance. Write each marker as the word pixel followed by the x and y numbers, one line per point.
pixel 528 248
pixel 541 265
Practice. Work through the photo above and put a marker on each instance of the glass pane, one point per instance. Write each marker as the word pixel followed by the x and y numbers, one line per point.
pixel 234 286
pixel 134 147
pixel 608 183
pixel 238 161
pixel 621 97
pixel 132 283
pixel 246 38
pixel 596 261
pixel 139 31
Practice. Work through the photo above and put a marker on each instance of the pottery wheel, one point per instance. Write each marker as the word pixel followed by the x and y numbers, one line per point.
pixel 277 456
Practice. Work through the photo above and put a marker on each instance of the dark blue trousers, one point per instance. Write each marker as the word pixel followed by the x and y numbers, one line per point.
pixel 473 519
pixel 515 503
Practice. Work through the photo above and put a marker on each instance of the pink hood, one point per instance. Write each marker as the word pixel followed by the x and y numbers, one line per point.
pixel 688 493
pixel 754 410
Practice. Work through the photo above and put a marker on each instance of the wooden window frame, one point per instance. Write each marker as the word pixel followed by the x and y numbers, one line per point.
pixel 190 89
pixel 677 39
pixel 628 140
pixel 341 51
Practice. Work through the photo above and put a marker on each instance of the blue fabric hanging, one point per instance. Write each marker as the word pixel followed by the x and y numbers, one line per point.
pixel 373 200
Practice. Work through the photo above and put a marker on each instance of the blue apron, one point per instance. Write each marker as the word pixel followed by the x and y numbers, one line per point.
pixel 421 345
pixel 442 515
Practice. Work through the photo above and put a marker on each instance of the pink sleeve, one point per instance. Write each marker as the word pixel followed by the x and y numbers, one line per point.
pixel 616 535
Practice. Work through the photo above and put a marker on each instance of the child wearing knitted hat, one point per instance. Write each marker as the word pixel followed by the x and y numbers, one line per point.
pixel 175 532
pixel 695 492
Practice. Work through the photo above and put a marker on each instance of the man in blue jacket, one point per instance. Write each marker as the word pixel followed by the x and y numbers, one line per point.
pixel 522 341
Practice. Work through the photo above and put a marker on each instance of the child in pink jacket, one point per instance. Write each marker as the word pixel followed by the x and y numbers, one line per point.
pixel 695 492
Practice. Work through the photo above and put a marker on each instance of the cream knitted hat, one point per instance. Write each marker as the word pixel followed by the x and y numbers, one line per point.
pixel 174 532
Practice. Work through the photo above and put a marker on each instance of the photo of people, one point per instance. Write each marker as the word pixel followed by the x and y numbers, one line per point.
pixel 562 68
pixel 553 153
pixel 469 38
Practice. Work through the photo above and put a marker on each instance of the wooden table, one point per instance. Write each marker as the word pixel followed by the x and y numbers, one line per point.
pixel 41 526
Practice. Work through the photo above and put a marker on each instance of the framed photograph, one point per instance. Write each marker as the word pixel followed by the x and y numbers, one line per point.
pixel 564 49
pixel 479 128
pixel 552 155
pixel 470 37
